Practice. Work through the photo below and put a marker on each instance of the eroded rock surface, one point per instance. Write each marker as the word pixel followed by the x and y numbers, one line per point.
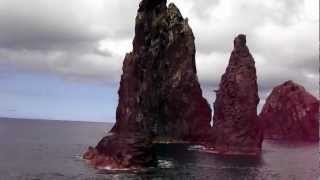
pixel 235 122
pixel 290 113
pixel 159 91
pixel 122 151
pixel 159 97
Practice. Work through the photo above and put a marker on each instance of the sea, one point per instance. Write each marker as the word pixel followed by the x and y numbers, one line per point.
pixel 51 150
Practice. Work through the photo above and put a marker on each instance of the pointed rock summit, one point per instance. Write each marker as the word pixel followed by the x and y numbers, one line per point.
pixel 290 113
pixel 160 98
pixel 235 121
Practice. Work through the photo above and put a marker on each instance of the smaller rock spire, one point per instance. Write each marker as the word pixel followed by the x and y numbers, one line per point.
pixel 235 122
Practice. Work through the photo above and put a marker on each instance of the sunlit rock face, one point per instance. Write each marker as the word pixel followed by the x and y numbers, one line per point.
pixel 290 113
pixel 160 98
pixel 235 122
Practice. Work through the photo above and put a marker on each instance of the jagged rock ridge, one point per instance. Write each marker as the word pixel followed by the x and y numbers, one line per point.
pixel 235 122
pixel 290 113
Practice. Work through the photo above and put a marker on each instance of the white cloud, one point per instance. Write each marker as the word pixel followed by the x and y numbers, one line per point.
pixel 116 47
pixel 88 39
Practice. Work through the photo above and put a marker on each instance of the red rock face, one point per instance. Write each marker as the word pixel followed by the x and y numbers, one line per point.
pixel 159 97
pixel 159 91
pixel 235 121
pixel 121 151
pixel 290 113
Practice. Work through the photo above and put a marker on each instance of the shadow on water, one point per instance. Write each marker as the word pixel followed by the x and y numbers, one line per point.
pixel 176 161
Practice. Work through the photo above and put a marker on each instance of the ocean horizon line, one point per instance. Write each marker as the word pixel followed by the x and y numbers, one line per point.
pixel 3 118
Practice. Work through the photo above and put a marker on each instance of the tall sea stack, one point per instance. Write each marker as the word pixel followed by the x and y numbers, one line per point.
pixel 159 90
pixel 291 113
pixel 235 122
pixel 160 98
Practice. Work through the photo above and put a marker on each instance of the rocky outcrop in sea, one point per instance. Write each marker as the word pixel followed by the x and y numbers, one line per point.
pixel 159 89
pixel 160 99
pixel 236 128
pixel 290 113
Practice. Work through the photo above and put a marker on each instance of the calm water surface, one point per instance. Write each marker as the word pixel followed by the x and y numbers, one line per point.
pixel 50 150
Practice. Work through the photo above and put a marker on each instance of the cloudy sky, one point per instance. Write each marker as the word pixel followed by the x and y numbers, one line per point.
pixel 62 59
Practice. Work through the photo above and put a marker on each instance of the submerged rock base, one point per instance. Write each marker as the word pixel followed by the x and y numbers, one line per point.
pixel 121 152
pixel 227 150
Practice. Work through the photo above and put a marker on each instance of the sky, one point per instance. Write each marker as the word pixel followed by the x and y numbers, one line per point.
pixel 62 59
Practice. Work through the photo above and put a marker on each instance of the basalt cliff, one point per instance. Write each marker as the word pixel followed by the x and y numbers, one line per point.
pixel 160 98
pixel 236 128
pixel 290 113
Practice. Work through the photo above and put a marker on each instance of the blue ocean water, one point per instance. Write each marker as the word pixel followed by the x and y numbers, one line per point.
pixel 51 150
